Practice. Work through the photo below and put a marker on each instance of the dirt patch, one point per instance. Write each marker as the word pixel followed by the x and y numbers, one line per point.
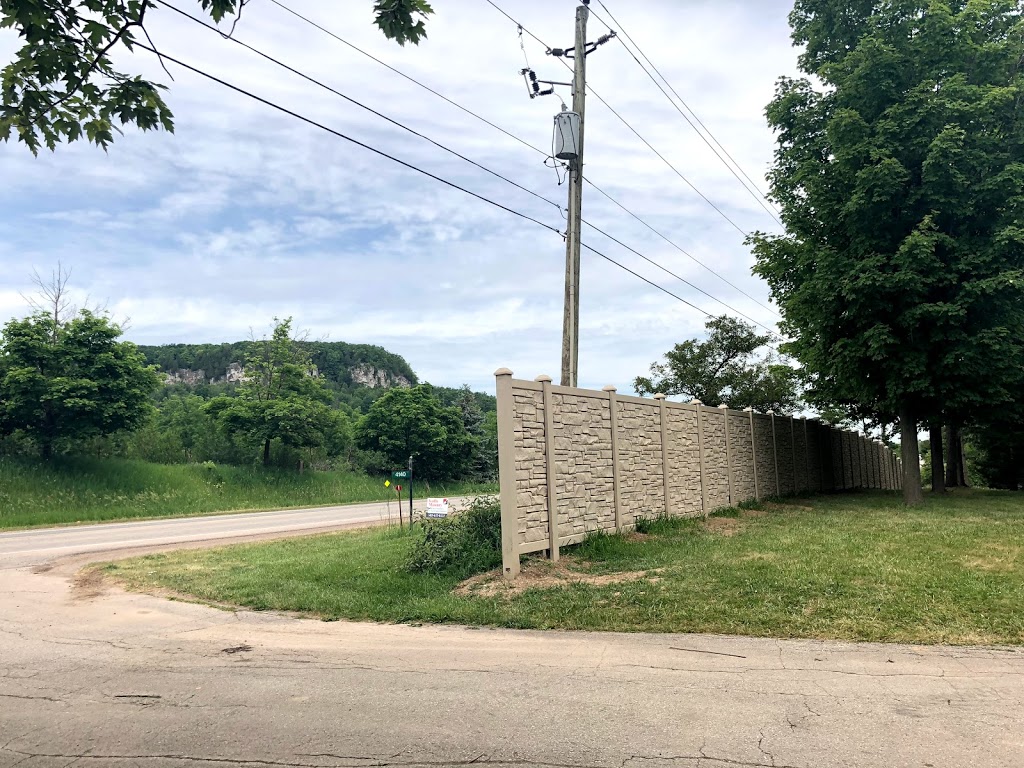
pixel 775 506
pixel 724 526
pixel 754 512
pixel 995 557
pixel 546 575
pixel 87 584
pixel 752 556
pixel 634 536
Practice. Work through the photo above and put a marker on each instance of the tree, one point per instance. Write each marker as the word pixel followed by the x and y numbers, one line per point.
pixel 65 380
pixel 281 397
pixel 62 84
pixel 899 171
pixel 724 369
pixel 412 422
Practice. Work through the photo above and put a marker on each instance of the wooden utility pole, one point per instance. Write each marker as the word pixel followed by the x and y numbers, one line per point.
pixel 571 319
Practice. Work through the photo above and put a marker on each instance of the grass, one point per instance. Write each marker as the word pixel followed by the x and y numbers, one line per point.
pixel 72 490
pixel 852 567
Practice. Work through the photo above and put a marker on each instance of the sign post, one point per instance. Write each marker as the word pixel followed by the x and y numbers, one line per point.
pixel 404 474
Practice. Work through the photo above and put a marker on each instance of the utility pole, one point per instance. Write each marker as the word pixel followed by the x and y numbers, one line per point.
pixel 569 147
pixel 571 318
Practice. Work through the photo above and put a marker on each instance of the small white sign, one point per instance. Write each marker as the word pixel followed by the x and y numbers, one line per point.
pixel 437 508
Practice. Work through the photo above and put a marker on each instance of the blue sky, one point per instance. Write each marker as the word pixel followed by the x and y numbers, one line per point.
pixel 244 214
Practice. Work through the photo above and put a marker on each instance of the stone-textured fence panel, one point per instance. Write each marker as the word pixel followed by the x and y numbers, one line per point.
pixel 573 461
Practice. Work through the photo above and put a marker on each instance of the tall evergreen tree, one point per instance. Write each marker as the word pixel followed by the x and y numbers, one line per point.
pixel 900 173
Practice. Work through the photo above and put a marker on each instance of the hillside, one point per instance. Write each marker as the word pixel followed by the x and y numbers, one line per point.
pixel 345 365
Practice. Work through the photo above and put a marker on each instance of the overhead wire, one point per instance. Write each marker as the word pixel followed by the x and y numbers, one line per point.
pixel 441 146
pixel 755 194
pixel 629 125
pixel 310 121
pixel 683 102
pixel 519 139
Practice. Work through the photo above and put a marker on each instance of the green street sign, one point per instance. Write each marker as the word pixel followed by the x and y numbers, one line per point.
pixel 403 474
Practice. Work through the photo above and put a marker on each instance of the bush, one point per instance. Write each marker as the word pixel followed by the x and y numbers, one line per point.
pixel 466 543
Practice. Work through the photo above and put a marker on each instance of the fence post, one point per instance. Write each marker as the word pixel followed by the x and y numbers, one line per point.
pixel 613 405
pixel 823 453
pixel 792 452
pixel 753 454
pixel 507 474
pixel 728 454
pixel 663 410
pixel 775 455
pixel 700 457
pixel 549 455
pixel 807 455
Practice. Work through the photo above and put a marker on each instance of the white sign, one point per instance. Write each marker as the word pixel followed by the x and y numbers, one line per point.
pixel 437 508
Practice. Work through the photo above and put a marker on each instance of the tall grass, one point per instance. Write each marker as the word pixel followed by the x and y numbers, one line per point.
pixel 70 490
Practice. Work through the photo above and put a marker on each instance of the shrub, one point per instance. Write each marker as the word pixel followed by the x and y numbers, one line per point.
pixel 466 543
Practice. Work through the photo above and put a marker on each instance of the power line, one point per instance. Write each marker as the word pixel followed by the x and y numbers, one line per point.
pixel 340 135
pixel 439 145
pixel 411 79
pixel 683 102
pixel 680 248
pixel 523 141
pixel 755 194
pixel 359 104
pixel 677 277
pixel 625 122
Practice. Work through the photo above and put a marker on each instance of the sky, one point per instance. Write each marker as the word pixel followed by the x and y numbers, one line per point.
pixel 244 213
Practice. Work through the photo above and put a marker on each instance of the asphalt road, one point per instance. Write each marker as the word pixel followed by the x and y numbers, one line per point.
pixel 93 676
pixel 35 546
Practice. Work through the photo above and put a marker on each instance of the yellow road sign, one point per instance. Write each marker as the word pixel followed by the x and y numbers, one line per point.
pixel 387 483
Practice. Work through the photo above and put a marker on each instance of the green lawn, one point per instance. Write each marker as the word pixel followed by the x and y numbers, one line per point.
pixel 75 490
pixel 855 567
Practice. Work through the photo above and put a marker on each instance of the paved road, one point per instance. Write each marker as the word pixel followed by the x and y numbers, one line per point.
pixel 92 676
pixel 36 546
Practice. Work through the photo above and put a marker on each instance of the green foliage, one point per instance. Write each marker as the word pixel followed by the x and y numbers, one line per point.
pixel 280 397
pixel 71 489
pixel 723 369
pixel 62 84
pixel 462 544
pixel 848 567
pixel 64 381
pixel 901 181
pixel 412 422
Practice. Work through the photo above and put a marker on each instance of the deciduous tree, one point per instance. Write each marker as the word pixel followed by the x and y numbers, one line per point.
pixel 281 397
pixel 725 369
pixel 900 171
pixel 412 422
pixel 62 84
pixel 67 380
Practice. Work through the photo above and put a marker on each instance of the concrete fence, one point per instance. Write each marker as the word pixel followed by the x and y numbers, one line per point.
pixel 573 461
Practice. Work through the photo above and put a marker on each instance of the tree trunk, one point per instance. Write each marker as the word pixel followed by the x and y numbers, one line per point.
pixel 938 466
pixel 47 447
pixel 962 468
pixel 266 453
pixel 952 457
pixel 910 454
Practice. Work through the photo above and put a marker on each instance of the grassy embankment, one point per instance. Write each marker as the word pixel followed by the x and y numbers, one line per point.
pixel 34 493
pixel 854 567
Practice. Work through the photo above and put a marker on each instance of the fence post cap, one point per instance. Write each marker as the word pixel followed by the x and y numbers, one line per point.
pixel 503 372
pixel 543 379
pixel 695 401
pixel 724 407
pixel 661 396
pixel 609 388
pixel 771 413
pixel 748 409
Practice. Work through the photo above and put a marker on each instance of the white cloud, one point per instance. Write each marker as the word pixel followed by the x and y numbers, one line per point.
pixel 245 213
